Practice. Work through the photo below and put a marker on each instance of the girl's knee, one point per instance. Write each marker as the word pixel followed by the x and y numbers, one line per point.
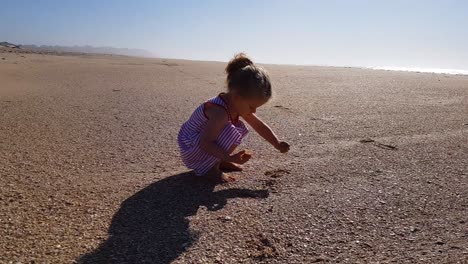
pixel 232 148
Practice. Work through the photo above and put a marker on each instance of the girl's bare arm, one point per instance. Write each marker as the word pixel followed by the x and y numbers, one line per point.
pixel 262 129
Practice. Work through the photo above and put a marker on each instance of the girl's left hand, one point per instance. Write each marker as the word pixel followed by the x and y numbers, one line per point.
pixel 282 146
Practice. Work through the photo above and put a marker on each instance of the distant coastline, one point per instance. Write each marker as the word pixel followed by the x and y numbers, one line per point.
pixel 422 70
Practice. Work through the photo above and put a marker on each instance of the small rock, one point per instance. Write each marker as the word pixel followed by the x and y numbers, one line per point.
pixel 413 229
pixel 318 259
pixel 226 218
pixel 439 242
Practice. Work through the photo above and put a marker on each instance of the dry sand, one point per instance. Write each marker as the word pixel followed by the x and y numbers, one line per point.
pixel 377 172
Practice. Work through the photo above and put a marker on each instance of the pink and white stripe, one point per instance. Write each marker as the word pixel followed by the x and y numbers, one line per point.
pixel 190 133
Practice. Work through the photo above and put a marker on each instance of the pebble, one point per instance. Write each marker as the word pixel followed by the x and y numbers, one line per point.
pixel 227 218
pixel 318 259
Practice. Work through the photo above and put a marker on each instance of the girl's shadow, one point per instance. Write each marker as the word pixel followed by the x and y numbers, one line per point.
pixel 151 225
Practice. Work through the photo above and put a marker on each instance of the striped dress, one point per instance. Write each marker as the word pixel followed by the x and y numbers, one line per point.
pixel 190 134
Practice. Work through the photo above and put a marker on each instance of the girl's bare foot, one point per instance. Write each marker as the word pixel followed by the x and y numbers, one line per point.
pixel 217 175
pixel 224 178
pixel 229 166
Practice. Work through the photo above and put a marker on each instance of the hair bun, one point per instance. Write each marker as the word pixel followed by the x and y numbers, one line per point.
pixel 238 62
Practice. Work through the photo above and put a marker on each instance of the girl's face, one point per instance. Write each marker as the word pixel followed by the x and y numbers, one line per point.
pixel 247 106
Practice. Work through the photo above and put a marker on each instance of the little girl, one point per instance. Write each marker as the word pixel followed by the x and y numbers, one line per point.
pixel 208 139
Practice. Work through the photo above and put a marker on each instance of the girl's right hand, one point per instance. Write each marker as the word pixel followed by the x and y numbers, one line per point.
pixel 240 157
pixel 282 146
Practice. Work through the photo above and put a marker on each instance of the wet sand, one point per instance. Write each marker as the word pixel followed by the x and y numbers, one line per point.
pixel 377 172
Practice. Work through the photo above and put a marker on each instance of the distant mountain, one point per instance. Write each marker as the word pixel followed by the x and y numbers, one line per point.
pixel 9 45
pixel 91 49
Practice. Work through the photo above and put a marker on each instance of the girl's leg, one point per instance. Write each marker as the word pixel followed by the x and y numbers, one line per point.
pixel 229 166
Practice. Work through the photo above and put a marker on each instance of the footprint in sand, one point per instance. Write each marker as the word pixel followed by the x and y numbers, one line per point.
pixel 277 173
pixel 386 146
pixel 273 184
pixel 378 144
pixel 265 247
pixel 282 107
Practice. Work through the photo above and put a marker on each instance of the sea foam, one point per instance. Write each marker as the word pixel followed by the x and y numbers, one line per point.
pixel 425 70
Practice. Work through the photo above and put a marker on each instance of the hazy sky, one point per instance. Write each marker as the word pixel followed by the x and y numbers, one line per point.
pixel 405 33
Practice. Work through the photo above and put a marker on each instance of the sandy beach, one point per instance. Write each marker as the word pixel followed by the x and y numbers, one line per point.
pixel 90 170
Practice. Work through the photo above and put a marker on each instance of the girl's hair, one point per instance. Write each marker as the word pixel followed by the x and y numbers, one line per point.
pixel 247 79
